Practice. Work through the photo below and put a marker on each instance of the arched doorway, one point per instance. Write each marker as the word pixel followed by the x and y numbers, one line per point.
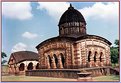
pixel 37 66
pixel 50 61
pixel 101 54
pixel 62 59
pixel 95 55
pixel 21 67
pixel 30 66
pixel 56 60
pixel 89 55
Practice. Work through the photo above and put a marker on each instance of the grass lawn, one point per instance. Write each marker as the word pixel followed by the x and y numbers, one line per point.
pixel 107 78
pixel 33 78
pixel 4 68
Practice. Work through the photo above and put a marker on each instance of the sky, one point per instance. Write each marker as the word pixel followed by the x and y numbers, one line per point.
pixel 26 24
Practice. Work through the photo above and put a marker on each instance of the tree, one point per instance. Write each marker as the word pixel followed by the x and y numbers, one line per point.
pixel 117 45
pixel 3 55
pixel 115 52
pixel 3 61
pixel 114 55
pixel 116 42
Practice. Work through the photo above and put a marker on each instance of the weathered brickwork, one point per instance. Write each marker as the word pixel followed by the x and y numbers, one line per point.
pixel 73 49
pixel 74 54
pixel 21 61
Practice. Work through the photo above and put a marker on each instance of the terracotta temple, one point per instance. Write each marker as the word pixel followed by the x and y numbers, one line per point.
pixel 73 51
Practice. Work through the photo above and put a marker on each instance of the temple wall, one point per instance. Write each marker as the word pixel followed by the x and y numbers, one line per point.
pixel 27 63
pixel 70 73
pixel 56 54
pixel 80 54
pixel 21 67
pixel 87 49
pixel 68 29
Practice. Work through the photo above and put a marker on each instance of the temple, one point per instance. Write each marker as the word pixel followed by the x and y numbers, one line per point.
pixel 21 61
pixel 73 50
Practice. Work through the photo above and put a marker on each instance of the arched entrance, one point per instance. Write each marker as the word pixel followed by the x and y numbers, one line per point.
pixel 62 59
pixel 56 60
pixel 89 55
pixel 50 61
pixel 30 66
pixel 101 58
pixel 21 67
pixel 95 55
pixel 101 54
pixel 37 66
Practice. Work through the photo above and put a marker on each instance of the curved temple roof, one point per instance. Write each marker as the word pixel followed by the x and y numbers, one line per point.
pixel 24 55
pixel 71 15
pixel 73 39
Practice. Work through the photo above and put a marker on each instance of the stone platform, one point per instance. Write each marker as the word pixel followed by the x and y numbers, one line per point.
pixel 69 73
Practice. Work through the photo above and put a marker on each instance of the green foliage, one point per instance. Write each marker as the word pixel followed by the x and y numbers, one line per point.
pixel 115 52
pixel 3 55
pixel 116 42
pixel 3 61
pixel 114 55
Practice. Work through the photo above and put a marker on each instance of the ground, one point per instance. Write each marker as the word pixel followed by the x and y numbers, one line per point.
pixel 35 78
pixel 32 78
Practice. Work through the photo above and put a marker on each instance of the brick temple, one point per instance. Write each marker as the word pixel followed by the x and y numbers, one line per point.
pixel 21 61
pixel 73 50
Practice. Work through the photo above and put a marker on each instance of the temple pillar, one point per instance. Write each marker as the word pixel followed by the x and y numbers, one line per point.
pixel 34 67
pixel 48 64
pixel 108 61
pixel 25 68
pixel 60 62
pixel 53 63
pixel 91 60
pixel 97 63
pixel 102 62
pixel 13 69
pixel 17 69
pixel 10 70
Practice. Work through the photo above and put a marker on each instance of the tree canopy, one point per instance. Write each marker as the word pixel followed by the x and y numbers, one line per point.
pixel 116 42
pixel 3 55
pixel 114 55
pixel 115 52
